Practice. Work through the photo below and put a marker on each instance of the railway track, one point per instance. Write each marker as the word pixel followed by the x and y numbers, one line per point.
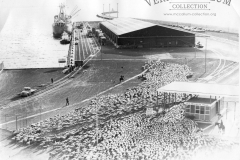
pixel 220 72
pixel 225 71
pixel 218 69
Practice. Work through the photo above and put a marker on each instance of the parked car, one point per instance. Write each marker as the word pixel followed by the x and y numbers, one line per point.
pixel 199 45
pixel 27 91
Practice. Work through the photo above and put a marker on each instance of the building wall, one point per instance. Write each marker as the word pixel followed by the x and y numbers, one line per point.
pixel 156 36
pixel 159 41
pixel 200 112
pixel 213 110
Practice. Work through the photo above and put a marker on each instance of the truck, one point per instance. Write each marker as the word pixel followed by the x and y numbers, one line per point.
pixel 102 40
pixel 79 25
pixel 199 45
pixel 98 32
pixel 27 91
pixel 93 30
pixel 89 33
pixel 100 35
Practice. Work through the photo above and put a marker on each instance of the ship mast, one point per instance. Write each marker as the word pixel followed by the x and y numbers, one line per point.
pixel 61 13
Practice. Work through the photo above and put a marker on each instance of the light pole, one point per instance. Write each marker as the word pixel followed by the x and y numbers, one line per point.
pixel 206 56
pixel 226 110
pixel 40 112
pixel 101 51
pixel 5 116
pixel 16 122
pixel 26 118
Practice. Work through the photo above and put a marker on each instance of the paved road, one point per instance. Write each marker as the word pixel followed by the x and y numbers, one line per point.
pixel 232 79
pixel 228 51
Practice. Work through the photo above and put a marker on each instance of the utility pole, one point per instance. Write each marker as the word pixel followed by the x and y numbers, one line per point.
pixel 16 122
pixel 96 124
pixel 206 56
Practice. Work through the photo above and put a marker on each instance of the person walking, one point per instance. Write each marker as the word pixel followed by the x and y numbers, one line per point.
pixel 121 78
pixel 67 101
pixel 221 124
pixel 52 80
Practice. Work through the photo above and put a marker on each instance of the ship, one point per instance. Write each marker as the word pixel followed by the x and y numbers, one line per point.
pixel 106 15
pixel 62 22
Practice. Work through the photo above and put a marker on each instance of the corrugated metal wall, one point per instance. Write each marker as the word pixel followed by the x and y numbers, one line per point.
pixel 156 36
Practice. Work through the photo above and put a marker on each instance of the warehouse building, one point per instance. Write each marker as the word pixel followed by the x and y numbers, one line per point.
pixel 124 32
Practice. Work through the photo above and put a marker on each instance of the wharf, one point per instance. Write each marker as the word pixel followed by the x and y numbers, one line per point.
pixel 81 46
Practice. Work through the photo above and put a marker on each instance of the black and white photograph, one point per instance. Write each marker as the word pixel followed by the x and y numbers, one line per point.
pixel 119 80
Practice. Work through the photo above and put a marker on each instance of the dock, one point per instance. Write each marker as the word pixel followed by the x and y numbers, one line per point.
pixel 81 46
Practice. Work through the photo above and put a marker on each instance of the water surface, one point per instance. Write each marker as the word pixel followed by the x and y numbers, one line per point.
pixel 26 37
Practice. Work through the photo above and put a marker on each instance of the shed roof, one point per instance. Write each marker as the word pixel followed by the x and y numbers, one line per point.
pixel 200 100
pixel 201 89
pixel 121 26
